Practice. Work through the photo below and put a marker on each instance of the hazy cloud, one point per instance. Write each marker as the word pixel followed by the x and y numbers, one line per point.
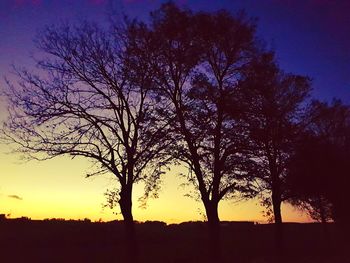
pixel 15 197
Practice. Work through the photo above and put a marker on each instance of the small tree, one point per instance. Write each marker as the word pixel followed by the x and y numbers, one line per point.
pixel 90 98
pixel 317 178
pixel 304 184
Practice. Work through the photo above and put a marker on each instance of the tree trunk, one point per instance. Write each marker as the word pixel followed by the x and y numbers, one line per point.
pixel 214 235
pixel 131 244
pixel 126 207
pixel 276 205
pixel 323 217
pixel 279 242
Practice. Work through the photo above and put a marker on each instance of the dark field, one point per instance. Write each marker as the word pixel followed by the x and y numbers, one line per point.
pixel 82 241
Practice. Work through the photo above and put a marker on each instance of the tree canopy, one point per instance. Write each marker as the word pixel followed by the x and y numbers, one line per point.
pixel 318 170
pixel 90 99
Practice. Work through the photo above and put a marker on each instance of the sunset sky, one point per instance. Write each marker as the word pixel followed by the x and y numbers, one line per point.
pixel 311 37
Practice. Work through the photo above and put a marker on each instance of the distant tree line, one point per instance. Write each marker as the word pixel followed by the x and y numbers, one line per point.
pixel 191 88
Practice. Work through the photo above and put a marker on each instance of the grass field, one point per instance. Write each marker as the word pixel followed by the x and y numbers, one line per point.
pixel 49 241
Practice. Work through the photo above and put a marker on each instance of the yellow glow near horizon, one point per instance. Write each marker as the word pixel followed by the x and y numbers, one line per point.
pixel 58 188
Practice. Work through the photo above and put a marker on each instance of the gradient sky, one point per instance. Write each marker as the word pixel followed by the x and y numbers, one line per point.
pixel 311 37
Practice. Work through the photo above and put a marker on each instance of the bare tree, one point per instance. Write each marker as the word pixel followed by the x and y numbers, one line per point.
pixel 90 98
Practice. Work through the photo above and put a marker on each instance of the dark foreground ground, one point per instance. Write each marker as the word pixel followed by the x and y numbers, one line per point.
pixel 82 241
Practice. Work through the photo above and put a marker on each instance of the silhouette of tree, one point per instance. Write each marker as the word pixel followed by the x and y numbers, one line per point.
pixel 90 98
pixel 272 109
pixel 197 60
pixel 306 190
pixel 317 178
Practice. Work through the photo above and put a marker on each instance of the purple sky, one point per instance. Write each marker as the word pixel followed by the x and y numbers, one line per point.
pixel 311 37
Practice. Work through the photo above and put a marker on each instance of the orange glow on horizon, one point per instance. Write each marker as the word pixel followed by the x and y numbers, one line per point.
pixel 58 188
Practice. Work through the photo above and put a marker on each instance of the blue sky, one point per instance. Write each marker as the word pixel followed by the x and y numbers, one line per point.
pixel 311 37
